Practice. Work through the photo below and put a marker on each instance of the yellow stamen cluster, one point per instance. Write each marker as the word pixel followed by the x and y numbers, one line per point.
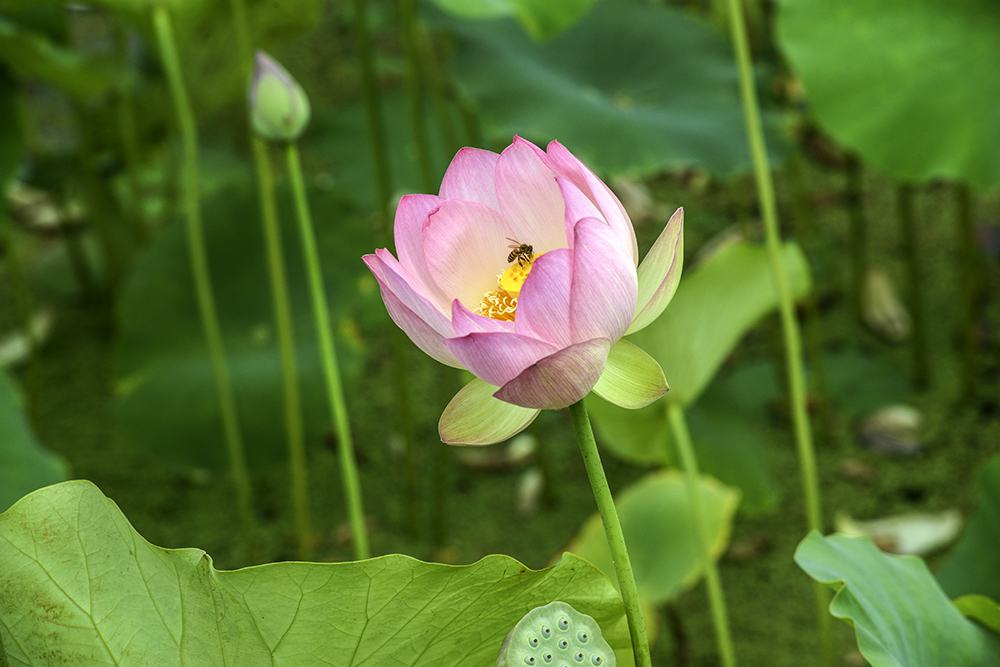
pixel 501 303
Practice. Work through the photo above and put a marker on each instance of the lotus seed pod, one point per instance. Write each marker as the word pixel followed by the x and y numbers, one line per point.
pixel 555 635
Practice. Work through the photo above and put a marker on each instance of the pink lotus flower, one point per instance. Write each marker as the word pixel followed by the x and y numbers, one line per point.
pixel 525 271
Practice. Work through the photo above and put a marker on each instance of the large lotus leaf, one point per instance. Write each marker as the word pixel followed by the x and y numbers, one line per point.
pixel 974 565
pixel 24 464
pixel 912 87
pixel 542 18
pixel 80 587
pixel 634 87
pixel 168 402
pixel 901 616
pixel 33 54
pixel 656 520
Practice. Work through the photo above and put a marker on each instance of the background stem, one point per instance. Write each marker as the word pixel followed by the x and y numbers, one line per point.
pixel 716 598
pixel 613 531
pixel 970 288
pixel 202 281
pixel 904 202
pixel 859 236
pixel 789 325
pixel 328 355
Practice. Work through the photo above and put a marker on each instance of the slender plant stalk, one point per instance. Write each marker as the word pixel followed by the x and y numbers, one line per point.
pixel 438 83
pixel 716 598
pixel 970 288
pixel 383 180
pixel 414 91
pixel 22 306
pixel 129 139
pixel 859 235
pixel 613 531
pixel 328 355
pixel 907 220
pixel 202 280
pixel 282 310
pixel 82 270
pixel 793 344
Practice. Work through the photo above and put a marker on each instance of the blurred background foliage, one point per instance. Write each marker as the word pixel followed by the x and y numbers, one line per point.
pixel 867 106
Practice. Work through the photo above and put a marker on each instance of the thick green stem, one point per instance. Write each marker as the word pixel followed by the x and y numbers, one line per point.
pixel 328 355
pixel 383 181
pixel 286 351
pixel 859 234
pixel 414 92
pixel 907 220
pixel 716 598
pixel 970 288
pixel 789 325
pixel 202 281
pixel 613 531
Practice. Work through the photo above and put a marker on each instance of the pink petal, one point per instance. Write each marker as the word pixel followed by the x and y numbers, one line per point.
pixel 602 297
pixel 631 379
pixel 474 417
pixel 471 175
pixel 543 304
pixel 393 277
pixel 497 357
pixel 560 379
pixel 660 273
pixel 464 321
pixel 569 166
pixel 465 244
pixel 529 198
pixel 578 206
pixel 411 217
pixel 420 332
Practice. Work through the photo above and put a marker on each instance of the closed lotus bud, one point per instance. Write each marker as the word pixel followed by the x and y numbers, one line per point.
pixel 555 635
pixel 279 108
pixel 884 312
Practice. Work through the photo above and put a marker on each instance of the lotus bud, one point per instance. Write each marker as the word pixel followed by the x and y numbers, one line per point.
pixel 884 312
pixel 555 635
pixel 279 108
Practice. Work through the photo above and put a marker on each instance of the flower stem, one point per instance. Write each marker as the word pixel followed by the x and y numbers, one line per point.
pixel 859 235
pixel 202 281
pixel 328 355
pixel 286 352
pixel 613 531
pixel 907 220
pixel 970 289
pixel 414 91
pixel 790 329
pixel 22 308
pixel 716 598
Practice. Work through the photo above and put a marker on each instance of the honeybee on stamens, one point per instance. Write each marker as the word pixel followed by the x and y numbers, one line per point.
pixel 522 252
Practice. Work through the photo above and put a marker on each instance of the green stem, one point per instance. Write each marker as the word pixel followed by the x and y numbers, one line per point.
pixel 859 235
pixel 414 92
pixel 907 220
pixel 328 354
pixel 438 84
pixel 129 139
pixel 202 280
pixel 716 599
pixel 613 532
pixel 22 306
pixel 286 350
pixel 82 270
pixel 967 245
pixel 793 343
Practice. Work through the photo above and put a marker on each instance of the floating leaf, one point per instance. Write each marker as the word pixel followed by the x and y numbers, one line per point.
pixel 655 515
pixel 542 18
pixel 632 88
pixel 79 584
pixel 912 87
pixel 24 464
pixel 901 616
pixel 907 534
pixel 168 402
pixel 974 567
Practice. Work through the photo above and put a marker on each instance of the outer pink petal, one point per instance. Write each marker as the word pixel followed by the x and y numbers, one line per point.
pixel 407 289
pixel 471 175
pixel 660 273
pixel 578 206
pixel 603 293
pixel 529 198
pixel 569 166
pixel 474 417
pixel 543 304
pixel 559 379
pixel 497 357
pixel 465 244
pixel 411 217
pixel 464 321
pixel 420 332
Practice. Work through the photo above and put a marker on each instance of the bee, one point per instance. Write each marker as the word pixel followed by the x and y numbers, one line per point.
pixel 522 252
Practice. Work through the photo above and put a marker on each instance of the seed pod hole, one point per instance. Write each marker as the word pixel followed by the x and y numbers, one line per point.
pixel 578 656
pixel 547 657
pixel 582 636
pixel 596 661
pixel 529 660
pixel 533 642
pixel 563 644
pixel 563 624
pixel 546 632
